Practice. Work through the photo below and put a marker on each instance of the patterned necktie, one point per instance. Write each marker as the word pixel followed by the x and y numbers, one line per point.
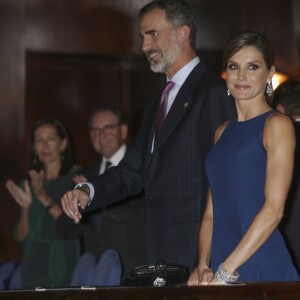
pixel 162 109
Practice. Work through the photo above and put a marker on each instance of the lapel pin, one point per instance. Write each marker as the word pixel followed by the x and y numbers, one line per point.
pixel 186 104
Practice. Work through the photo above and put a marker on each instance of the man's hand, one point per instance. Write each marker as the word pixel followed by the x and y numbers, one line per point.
pixel 72 200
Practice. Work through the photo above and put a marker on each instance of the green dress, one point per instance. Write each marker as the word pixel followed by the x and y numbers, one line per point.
pixel 47 260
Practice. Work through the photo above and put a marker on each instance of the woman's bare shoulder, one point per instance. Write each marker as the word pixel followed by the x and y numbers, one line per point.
pixel 278 128
pixel 278 121
pixel 220 130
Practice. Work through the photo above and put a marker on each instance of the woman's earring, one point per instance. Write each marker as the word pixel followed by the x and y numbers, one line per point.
pixel 228 93
pixel 269 90
pixel 62 156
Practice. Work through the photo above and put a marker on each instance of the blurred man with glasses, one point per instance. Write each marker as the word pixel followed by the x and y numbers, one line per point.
pixel 118 226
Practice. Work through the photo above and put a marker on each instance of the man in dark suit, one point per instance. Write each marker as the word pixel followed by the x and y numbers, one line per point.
pixel 118 226
pixel 169 164
pixel 287 100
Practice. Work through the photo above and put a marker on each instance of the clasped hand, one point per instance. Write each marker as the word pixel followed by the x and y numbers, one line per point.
pixel 71 202
pixel 202 276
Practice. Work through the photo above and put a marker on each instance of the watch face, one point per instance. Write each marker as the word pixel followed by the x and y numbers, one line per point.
pixel 86 189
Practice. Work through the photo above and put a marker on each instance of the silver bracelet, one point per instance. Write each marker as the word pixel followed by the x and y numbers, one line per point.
pixel 224 276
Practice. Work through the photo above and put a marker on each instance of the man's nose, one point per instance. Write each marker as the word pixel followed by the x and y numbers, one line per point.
pixel 45 144
pixel 146 43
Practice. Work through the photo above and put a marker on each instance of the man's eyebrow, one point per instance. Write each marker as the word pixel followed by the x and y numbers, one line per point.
pixel 149 32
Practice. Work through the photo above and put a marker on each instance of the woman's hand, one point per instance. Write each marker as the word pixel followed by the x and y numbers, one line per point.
pixel 79 178
pixel 201 276
pixel 194 278
pixel 22 197
pixel 37 182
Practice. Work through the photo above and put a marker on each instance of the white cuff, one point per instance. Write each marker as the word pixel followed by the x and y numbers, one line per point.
pixel 92 190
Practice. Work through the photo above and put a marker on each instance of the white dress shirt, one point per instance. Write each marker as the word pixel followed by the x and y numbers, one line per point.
pixel 115 159
pixel 179 79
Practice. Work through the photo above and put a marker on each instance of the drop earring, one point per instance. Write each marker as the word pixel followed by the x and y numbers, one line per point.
pixel 228 93
pixel 269 90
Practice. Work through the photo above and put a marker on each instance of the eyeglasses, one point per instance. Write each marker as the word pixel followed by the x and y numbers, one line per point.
pixel 107 129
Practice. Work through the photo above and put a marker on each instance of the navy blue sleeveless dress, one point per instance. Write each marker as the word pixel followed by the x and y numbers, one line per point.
pixel 236 168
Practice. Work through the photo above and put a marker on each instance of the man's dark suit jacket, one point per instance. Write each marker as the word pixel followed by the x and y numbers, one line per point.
pixel 173 176
pixel 290 224
pixel 119 226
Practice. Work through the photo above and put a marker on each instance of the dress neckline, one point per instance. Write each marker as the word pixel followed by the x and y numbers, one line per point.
pixel 254 118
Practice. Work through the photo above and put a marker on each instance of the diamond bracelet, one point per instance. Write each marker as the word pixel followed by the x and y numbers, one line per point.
pixel 224 276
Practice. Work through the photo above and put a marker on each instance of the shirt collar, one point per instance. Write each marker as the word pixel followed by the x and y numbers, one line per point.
pixel 117 157
pixel 180 77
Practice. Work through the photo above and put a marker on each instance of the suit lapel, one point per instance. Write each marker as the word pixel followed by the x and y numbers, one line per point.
pixel 180 105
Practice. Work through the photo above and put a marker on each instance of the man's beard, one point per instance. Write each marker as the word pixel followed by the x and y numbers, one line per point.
pixel 160 66
pixel 166 59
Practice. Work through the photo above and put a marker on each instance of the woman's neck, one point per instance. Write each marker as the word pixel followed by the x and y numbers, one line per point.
pixel 247 110
pixel 52 170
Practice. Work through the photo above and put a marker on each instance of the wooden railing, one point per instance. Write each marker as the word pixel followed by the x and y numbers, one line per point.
pixel 251 291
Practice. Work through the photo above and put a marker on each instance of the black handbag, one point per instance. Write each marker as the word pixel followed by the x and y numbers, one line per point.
pixel 158 274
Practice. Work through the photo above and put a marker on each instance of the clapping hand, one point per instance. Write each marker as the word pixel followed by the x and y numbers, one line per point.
pixel 22 197
pixel 79 178
pixel 37 182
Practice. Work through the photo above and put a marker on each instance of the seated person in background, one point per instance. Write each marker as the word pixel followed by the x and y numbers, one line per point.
pixel 47 260
pixel 119 226
pixel 287 100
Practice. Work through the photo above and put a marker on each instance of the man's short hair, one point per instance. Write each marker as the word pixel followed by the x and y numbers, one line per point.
pixel 107 107
pixel 178 13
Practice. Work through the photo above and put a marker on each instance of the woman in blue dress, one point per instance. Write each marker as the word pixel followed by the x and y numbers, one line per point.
pixel 249 171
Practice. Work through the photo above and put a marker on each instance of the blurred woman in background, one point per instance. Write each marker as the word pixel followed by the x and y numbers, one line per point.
pixel 47 260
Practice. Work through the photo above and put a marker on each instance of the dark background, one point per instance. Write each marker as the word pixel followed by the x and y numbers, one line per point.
pixel 63 57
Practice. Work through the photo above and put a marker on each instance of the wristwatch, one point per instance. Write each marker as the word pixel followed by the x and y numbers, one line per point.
pixel 50 205
pixel 86 189
pixel 83 187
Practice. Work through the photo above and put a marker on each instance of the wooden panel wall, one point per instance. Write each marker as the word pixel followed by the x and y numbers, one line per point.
pixel 12 70
pixel 70 86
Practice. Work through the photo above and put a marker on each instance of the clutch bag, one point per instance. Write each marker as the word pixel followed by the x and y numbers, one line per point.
pixel 158 274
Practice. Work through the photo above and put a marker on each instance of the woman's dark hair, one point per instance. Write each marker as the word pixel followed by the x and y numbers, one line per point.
pixel 178 13
pixel 66 155
pixel 248 38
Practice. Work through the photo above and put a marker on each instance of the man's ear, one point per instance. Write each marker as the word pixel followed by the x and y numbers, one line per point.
pixel 124 131
pixel 63 145
pixel 183 34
